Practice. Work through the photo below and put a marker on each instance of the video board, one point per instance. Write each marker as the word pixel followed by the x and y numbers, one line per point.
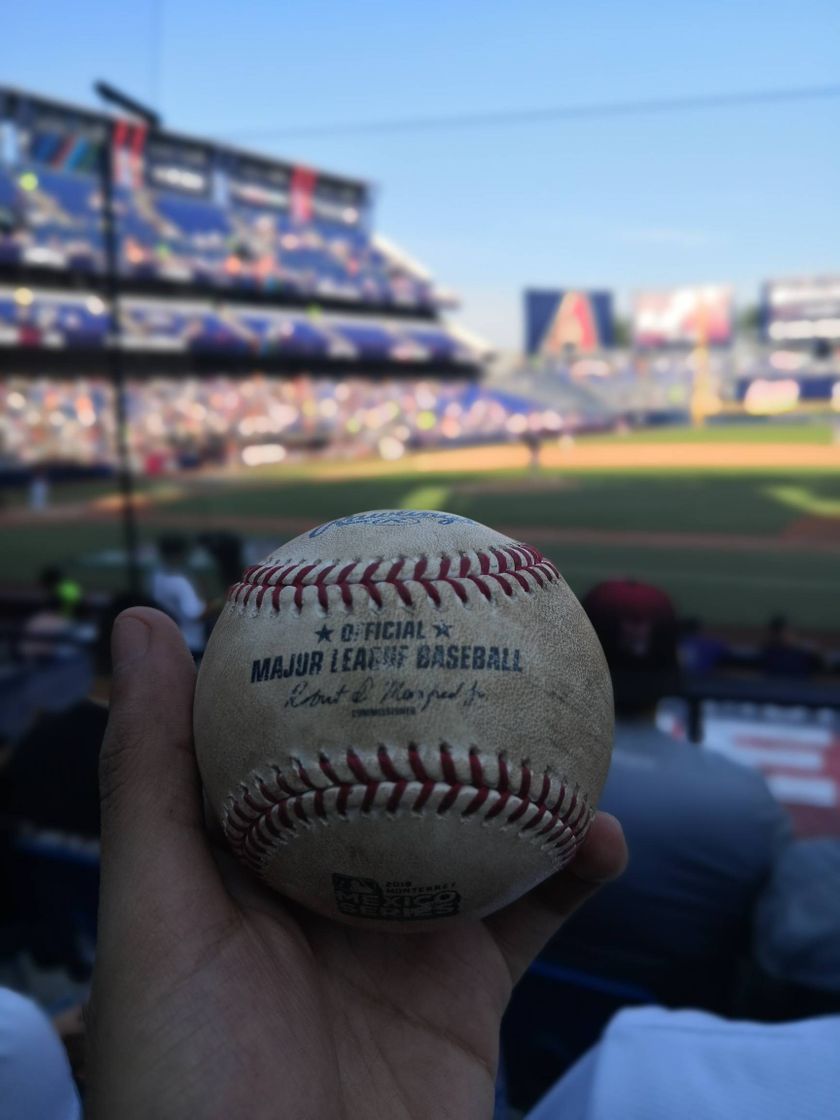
pixel 568 320
pixel 690 316
pixel 806 309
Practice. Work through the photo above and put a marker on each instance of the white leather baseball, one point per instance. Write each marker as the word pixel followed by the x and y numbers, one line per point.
pixel 402 718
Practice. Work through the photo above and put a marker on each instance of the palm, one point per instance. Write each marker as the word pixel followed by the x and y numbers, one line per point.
pixel 214 997
pixel 383 1025
pixel 409 1023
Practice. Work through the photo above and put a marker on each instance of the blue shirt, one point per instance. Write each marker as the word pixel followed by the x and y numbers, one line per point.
pixel 703 833
pixel 654 1064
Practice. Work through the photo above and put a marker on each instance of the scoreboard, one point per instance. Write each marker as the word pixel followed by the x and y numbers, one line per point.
pixel 802 310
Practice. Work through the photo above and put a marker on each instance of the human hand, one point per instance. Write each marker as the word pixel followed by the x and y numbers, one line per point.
pixel 213 997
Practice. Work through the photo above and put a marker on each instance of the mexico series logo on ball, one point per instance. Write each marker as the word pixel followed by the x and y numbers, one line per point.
pixel 403 718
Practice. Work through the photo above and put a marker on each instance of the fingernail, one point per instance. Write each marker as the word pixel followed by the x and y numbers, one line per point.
pixel 129 640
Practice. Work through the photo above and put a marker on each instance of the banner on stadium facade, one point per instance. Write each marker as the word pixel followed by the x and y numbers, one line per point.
pixel 302 193
pixel 567 319
pixel 60 139
pixel 696 316
pixel 806 309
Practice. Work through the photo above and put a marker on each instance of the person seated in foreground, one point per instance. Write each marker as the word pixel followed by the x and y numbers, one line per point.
pixel 49 809
pixel 51 780
pixel 655 1064
pixel 797 930
pixel 36 1080
pixel 703 831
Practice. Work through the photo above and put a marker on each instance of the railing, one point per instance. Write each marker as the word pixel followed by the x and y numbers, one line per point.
pixel 777 691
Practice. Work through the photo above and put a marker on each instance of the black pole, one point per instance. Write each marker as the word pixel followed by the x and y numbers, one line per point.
pixel 130 104
pixel 115 364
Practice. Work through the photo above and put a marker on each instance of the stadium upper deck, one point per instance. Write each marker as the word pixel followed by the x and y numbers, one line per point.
pixel 197 220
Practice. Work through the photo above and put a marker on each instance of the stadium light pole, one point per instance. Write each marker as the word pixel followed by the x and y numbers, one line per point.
pixel 116 368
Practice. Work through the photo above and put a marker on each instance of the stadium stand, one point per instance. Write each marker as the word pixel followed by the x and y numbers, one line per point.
pixel 216 222
pixel 177 422
pixel 67 320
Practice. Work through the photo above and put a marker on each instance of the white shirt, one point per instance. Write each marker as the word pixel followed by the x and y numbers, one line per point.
pixel 35 1078
pixel 654 1064
pixel 174 593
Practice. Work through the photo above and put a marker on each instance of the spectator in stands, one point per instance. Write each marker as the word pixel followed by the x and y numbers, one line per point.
pixel 49 798
pixel 654 1064
pixel 54 631
pixel 700 652
pixel 51 781
pixel 797 935
pixel 213 997
pixel 36 1082
pixel 785 655
pixel 174 592
pixel 67 591
pixel 704 832
pixel 47 634
pixel 226 550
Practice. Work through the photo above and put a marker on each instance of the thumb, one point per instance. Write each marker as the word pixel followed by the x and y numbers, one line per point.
pixel 523 928
pixel 153 840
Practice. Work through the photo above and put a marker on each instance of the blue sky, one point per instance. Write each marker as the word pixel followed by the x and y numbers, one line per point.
pixel 624 203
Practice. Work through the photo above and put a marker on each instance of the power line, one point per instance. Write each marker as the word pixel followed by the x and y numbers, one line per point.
pixel 506 118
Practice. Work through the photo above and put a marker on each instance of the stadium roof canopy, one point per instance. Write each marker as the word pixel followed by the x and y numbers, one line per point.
pixel 11 98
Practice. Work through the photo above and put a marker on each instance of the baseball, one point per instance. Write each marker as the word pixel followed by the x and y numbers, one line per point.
pixel 403 718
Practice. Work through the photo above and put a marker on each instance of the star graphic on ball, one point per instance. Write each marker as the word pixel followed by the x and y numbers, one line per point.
pixel 323 635
pixel 441 629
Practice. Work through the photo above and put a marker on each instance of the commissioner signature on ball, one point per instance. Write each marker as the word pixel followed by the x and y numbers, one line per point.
pixel 396 691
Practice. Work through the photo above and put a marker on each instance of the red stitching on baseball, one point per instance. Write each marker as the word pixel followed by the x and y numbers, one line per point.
pixel 386 765
pixel 525 782
pixel 253 817
pixel 449 799
pixel 450 775
pixel 498 565
pixel 358 768
pixel 416 764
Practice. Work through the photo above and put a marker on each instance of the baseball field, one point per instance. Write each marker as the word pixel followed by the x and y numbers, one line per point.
pixel 737 523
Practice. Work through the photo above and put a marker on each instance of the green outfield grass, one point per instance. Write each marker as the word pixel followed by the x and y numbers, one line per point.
pixel 740 502
pixel 816 431
pixel 726 587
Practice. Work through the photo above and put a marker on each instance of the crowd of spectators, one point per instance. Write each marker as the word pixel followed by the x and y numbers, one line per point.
pixel 779 652
pixel 70 320
pixel 53 218
pixel 180 423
